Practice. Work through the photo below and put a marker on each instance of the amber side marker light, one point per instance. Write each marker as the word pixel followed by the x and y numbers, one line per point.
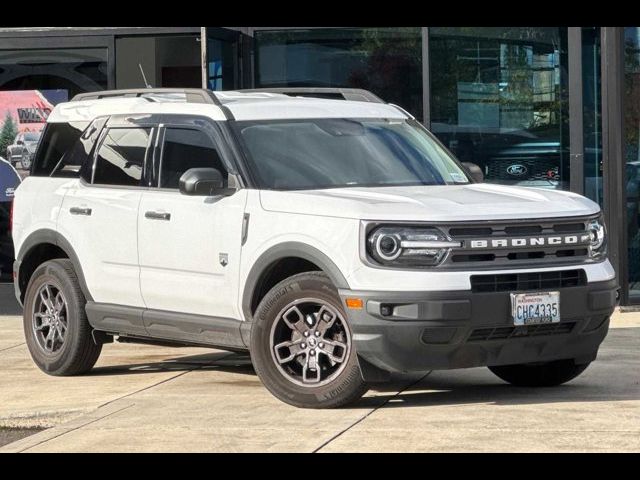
pixel 354 303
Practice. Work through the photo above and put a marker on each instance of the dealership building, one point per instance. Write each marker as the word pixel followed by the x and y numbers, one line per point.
pixel 553 107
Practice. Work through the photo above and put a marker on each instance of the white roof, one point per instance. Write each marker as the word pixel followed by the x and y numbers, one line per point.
pixel 87 110
pixel 243 106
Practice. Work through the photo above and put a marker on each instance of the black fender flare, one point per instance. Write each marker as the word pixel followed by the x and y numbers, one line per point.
pixel 46 235
pixel 284 250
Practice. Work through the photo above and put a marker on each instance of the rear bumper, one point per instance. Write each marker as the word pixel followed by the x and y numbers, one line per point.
pixel 461 329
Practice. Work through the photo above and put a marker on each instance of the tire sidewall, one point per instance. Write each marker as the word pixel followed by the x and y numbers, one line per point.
pixel 331 394
pixel 53 273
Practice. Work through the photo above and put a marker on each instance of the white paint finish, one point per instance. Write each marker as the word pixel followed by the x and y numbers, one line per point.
pixel 36 205
pixel 106 241
pixel 336 237
pixel 442 203
pixel 87 110
pixel 180 269
pixel 244 106
pixel 273 107
pixel 378 279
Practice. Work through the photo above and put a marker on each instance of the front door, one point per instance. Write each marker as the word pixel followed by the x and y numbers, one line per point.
pixel 189 247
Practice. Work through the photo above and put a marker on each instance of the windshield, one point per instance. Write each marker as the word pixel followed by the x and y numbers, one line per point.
pixel 330 153
pixel 31 137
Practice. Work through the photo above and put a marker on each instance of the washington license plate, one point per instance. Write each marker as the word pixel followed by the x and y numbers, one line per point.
pixel 535 308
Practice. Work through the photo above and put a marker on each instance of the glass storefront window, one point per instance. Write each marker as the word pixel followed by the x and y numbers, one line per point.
pixel 632 151
pixel 386 61
pixel 499 99
pixel 592 114
pixel 220 64
pixel 74 70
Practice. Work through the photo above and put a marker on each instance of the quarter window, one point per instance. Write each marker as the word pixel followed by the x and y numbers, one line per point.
pixel 185 149
pixel 120 159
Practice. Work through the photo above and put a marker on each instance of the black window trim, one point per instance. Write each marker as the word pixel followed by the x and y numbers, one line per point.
pixel 98 145
pixel 158 154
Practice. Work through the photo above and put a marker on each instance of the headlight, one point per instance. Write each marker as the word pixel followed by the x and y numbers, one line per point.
pixel 597 238
pixel 408 246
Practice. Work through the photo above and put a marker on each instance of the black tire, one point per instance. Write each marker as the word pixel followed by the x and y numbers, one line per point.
pixel 346 385
pixel 78 353
pixel 549 374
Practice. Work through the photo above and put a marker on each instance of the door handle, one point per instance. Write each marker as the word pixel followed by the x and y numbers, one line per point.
pixel 158 216
pixel 80 211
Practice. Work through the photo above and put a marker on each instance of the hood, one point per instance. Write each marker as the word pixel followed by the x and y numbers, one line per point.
pixel 442 203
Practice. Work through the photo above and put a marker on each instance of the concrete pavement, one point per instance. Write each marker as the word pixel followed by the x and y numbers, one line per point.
pixel 144 398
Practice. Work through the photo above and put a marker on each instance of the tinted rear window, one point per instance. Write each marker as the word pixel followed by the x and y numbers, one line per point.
pixel 56 142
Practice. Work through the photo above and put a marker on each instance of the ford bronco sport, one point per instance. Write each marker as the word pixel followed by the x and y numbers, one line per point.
pixel 337 241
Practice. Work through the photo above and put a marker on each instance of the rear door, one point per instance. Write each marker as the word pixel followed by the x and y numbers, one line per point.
pixel 99 214
pixel 189 246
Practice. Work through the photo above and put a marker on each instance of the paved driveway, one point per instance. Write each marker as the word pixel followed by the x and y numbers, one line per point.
pixel 144 398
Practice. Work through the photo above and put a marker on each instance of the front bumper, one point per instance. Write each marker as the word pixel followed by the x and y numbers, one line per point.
pixel 461 329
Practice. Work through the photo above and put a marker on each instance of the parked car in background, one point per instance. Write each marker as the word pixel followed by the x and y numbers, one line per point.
pixel 22 149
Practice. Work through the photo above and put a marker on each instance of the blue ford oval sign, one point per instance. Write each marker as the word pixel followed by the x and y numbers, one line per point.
pixel 517 170
pixel 9 180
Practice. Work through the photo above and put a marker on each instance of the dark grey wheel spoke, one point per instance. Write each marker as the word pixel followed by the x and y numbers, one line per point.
pixel 310 371
pixel 59 303
pixel 326 319
pixel 310 342
pixel 292 350
pixel 335 350
pixel 294 319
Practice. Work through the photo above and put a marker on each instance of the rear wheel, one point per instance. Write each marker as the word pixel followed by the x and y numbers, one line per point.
pixel 56 328
pixel 548 374
pixel 301 344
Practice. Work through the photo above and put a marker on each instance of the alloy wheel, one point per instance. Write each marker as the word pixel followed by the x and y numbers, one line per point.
pixel 49 319
pixel 310 342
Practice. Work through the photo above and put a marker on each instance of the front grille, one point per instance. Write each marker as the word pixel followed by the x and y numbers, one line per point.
pixel 504 333
pixel 513 282
pixel 535 250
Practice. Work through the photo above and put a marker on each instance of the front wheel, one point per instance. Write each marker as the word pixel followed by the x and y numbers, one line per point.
pixel 301 344
pixel 549 374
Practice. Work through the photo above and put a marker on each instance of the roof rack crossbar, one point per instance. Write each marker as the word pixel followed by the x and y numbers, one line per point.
pixel 192 95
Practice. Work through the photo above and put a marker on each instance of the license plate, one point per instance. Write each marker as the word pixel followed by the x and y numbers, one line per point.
pixel 535 308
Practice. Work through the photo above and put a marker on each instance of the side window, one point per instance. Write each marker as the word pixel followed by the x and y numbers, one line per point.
pixel 121 156
pixel 55 143
pixel 184 149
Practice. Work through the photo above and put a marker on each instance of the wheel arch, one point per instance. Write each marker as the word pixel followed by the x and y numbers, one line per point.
pixel 282 252
pixel 40 246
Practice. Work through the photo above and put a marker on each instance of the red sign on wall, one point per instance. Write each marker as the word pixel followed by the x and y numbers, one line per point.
pixel 28 108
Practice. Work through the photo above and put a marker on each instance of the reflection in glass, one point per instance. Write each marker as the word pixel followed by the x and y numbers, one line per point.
pixel 72 70
pixel 120 158
pixel 592 114
pixel 386 61
pixel 632 150
pixel 499 100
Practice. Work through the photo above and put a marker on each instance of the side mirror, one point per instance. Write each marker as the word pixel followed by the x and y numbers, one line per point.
pixel 204 182
pixel 19 142
pixel 475 171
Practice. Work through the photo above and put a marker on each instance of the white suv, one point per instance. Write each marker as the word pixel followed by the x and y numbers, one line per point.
pixel 337 241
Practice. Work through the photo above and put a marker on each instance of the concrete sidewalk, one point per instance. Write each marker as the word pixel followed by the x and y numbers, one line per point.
pixel 143 398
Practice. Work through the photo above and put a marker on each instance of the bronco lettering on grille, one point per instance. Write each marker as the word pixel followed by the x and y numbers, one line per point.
pixel 577 239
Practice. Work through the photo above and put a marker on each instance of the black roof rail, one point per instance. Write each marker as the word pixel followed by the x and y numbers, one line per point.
pixel 355 94
pixel 192 95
